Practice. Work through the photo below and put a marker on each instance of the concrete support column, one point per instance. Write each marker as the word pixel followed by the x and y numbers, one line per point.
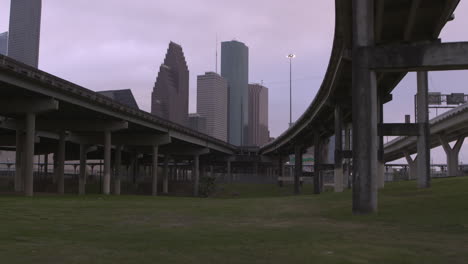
pixel 380 154
pixel 424 151
pixel 338 149
pixel 107 163
pixel 452 155
pixel 280 171
pixel 346 174
pixel 154 189
pixel 229 173
pixel 413 166
pixel 29 154
pixel 118 170
pixel 46 165
pixel 211 171
pixel 166 174
pixel 81 179
pixel 297 168
pixel 196 174
pixel 61 164
pixel 365 139
pixel 19 185
pixel 317 161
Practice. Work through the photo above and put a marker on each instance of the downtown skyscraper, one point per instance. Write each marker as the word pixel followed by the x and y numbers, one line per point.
pixel 3 43
pixel 259 134
pixel 235 69
pixel 212 104
pixel 170 97
pixel 25 31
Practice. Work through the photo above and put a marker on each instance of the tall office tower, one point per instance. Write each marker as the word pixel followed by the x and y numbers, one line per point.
pixel 170 97
pixel 258 115
pixel 4 43
pixel 25 30
pixel 235 69
pixel 212 103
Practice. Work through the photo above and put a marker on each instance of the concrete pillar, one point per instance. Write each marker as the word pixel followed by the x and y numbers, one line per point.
pixel 19 185
pixel 118 170
pixel 46 165
pixel 424 151
pixel 380 154
pixel 29 154
pixel 107 163
pixel 317 182
pixel 338 149
pixel 412 165
pixel 364 101
pixel 280 171
pixel 61 163
pixel 452 155
pixel 347 143
pixel 154 189
pixel 196 174
pixel 81 179
pixel 166 174
pixel 297 168
pixel 211 171
pixel 229 172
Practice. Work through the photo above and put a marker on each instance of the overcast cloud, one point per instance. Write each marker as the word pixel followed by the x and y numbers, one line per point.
pixel 117 44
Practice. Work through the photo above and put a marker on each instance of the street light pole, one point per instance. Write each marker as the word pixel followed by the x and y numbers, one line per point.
pixel 290 57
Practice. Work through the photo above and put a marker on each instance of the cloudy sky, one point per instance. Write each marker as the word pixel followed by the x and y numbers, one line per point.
pixel 117 44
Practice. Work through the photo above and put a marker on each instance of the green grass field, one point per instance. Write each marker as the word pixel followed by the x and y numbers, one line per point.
pixel 242 224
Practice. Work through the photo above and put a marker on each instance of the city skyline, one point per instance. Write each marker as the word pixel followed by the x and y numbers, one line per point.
pixel 269 40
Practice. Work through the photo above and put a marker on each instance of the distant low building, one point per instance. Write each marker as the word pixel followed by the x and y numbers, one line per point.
pixel 124 96
pixel 197 122
pixel 4 43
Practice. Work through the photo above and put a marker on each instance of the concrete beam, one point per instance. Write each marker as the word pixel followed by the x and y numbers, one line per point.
pixel 187 151
pixel 26 105
pixel 142 139
pixel 82 125
pixel 418 57
pixel 398 129
pixel 10 140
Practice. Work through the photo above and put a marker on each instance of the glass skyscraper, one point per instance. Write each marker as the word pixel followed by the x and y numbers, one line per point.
pixel 3 43
pixel 170 97
pixel 25 30
pixel 235 69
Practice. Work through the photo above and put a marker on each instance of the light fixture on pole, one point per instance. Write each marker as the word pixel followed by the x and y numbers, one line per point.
pixel 290 57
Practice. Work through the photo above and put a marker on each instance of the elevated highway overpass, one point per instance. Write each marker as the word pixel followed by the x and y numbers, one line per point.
pixel 376 44
pixel 52 115
pixel 445 128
